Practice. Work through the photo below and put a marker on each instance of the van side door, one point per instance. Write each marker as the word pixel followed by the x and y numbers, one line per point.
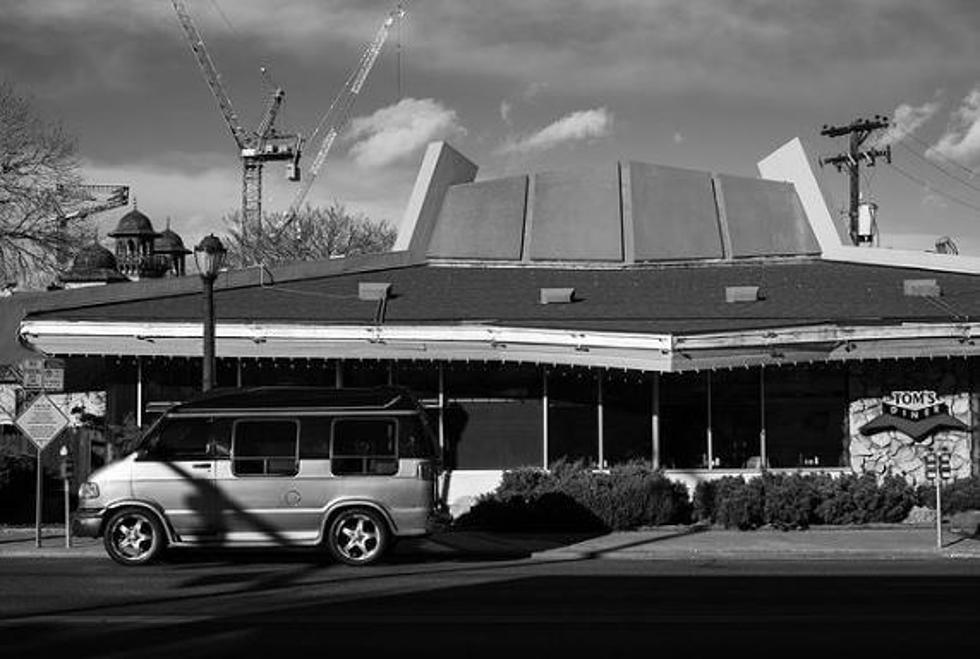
pixel 176 473
pixel 262 499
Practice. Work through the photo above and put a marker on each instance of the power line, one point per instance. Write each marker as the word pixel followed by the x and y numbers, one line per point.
pixel 928 146
pixel 926 184
pixel 940 168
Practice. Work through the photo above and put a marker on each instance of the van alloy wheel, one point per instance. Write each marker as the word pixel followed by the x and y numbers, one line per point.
pixel 133 537
pixel 357 537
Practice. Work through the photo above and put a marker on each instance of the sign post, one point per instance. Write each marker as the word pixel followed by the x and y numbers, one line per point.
pixel 938 471
pixel 66 474
pixel 41 422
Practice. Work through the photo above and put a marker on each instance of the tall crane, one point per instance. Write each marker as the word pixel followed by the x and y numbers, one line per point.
pixel 84 200
pixel 255 148
pixel 337 115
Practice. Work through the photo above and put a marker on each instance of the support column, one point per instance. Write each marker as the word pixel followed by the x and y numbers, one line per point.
pixel 544 418
pixel 655 422
pixel 338 374
pixel 599 419
pixel 708 438
pixel 238 372
pixel 442 409
pixel 763 458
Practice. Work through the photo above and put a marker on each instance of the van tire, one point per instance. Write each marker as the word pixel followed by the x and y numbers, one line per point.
pixel 358 536
pixel 134 536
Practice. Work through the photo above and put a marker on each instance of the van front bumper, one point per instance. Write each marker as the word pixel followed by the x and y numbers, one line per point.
pixel 87 522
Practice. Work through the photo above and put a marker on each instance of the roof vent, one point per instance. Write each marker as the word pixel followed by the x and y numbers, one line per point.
pixel 373 291
pixel 742 294
pixel 921 288
pixel 557 295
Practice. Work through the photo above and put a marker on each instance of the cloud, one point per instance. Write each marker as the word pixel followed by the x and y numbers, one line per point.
pixel 907 119
pixel 961 141
pixel 505 110
pixel 397 131
pixel 576 126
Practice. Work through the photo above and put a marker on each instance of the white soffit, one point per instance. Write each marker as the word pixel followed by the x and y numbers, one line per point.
pixel 791 163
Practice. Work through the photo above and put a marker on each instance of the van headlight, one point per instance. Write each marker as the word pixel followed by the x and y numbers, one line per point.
pixel 88 490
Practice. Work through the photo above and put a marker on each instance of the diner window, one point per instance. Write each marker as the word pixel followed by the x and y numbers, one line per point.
pixel 364 447
pixel 265 448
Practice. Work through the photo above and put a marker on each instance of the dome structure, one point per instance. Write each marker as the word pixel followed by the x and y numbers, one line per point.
pixel 169 242
pixel 93 265
pixel 134 223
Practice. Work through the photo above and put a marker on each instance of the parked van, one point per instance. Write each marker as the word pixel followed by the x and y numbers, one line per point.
pixel 351 469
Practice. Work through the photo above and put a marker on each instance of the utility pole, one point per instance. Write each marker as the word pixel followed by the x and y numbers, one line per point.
pixel 859 130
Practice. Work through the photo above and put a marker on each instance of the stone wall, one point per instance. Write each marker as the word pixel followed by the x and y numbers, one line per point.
pixel 893 452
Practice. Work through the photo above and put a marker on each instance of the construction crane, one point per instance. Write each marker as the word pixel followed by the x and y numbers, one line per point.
pixel 85 200
pixel 337 115
pixel 255 148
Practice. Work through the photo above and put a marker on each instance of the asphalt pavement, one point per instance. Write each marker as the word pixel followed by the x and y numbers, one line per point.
pixel 894 541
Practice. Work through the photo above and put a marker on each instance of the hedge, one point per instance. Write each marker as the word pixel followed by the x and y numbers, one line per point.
pixel 571 496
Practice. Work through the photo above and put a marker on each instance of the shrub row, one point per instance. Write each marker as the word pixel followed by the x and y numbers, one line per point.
pixel 797 501
pixel 570 496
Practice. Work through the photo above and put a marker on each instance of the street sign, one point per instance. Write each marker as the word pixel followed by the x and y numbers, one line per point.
pixel 42 421
pixel 44 374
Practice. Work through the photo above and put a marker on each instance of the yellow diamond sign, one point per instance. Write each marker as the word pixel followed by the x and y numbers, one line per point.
pixel 42 421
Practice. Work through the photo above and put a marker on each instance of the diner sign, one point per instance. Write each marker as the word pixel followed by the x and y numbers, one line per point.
pixel 918 414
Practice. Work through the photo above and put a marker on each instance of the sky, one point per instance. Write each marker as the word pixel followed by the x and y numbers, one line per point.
pixel 517 86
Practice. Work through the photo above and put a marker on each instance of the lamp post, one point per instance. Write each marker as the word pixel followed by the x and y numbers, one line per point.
pixel 210 257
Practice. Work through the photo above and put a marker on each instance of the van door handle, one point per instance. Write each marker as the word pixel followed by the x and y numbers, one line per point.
pixel 201 465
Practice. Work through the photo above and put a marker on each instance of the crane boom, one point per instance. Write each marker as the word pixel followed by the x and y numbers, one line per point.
pixel 210 74
pixel 338 113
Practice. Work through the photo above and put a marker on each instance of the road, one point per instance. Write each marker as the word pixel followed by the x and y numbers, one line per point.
pixel 253 604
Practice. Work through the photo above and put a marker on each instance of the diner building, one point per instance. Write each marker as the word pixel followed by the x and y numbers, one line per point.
pixel 708 323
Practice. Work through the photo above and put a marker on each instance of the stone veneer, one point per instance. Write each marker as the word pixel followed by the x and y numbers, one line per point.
pixel 893 452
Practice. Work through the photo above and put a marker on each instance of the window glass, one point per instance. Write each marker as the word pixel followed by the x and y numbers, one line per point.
pixel 182 439
pixel 364 446
pixel 415 440
pixel 265 448
pixel 314 439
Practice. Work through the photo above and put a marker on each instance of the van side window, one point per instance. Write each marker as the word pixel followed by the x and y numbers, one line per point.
pixel 415 440
pixel 265 448
pixel 188 439
pixel 364 446
pixel 314 437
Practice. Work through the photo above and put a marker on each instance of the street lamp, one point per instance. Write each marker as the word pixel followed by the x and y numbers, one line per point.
pixel 210 257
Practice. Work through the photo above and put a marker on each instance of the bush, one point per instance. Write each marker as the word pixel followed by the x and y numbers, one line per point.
pixel 790 500
pixel 571 496
pixel 861 499
pixel 962 494
pixel 739 504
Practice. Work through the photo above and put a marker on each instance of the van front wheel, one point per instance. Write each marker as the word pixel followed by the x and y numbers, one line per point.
pixel 357 537
pixel 133 537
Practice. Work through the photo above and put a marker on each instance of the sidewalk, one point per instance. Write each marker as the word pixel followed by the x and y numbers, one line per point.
pixel 885 542
pixel 881 542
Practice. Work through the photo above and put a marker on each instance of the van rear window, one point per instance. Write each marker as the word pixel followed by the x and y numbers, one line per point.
pixel 265 448
pixel 364 446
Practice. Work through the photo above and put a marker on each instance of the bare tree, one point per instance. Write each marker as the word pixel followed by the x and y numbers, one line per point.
pixel 315 233
pixel 39 186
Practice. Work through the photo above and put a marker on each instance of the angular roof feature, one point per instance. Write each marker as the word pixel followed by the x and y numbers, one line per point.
pixel 765 218
pixel 481 220
pixel 575 215
pixel 674 214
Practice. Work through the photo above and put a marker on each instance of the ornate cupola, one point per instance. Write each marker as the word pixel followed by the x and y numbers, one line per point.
pixel 94 265
pixel 169 246
pixel 134 246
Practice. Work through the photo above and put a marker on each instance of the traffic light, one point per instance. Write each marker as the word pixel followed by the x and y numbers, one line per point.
pixel 945 471
pixel 930 460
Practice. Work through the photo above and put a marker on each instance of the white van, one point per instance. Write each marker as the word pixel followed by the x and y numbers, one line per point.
pixel 351 469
